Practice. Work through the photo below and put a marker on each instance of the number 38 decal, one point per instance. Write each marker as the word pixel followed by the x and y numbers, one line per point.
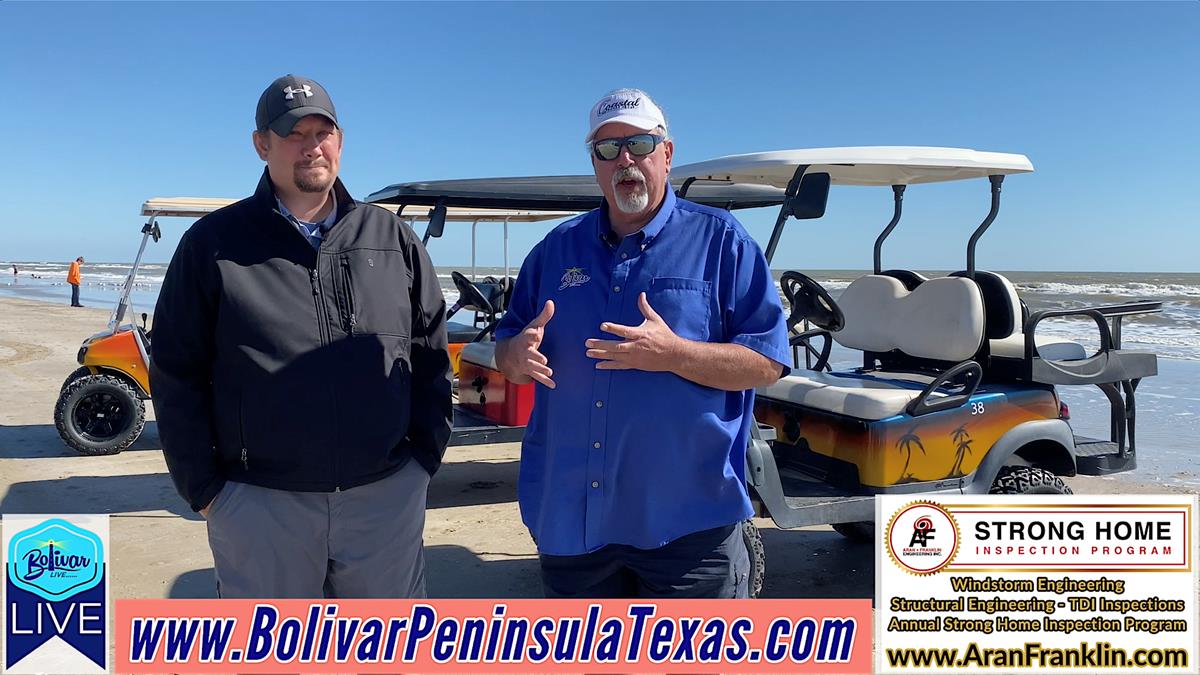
pixel 976 407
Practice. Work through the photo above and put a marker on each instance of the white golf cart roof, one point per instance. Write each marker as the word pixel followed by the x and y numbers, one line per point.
pixel 195 207
pixel 869 165
pixel 183 207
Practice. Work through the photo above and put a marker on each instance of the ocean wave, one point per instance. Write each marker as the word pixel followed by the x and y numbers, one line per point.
pixel 1129 289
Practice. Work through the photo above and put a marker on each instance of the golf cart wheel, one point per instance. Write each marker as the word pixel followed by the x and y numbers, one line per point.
pixel 75 375
pixel 758 557
pixel 1028 480
pixel 99 415
pixel 859 531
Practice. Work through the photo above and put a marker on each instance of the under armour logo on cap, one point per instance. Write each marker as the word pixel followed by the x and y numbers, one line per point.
pixel 292 91
pixel 290 99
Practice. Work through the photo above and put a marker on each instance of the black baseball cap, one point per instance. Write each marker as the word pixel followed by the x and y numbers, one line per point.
pixel 289 99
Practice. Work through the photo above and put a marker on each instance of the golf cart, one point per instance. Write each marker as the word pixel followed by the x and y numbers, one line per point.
pixel 956 391
pixel 101 405
pixel 491 409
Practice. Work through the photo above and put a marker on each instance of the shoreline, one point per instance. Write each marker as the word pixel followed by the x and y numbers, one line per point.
pixel 1165 442
pixel 476 545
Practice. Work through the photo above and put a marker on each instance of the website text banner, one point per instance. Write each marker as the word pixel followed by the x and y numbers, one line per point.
pixel 1037 583
pixel 493 636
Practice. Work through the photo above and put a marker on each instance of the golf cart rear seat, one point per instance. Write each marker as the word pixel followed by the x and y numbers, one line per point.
pixel 940 323
pixel 1052 360
pixel 1005 322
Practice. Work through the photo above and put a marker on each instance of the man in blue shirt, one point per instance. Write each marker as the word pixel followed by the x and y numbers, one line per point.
pixel 647 323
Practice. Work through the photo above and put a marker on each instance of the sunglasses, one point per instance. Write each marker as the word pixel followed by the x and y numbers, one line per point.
pixel 639 145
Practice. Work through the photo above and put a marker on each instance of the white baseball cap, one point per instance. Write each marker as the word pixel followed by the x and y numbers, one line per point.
pixel 630 106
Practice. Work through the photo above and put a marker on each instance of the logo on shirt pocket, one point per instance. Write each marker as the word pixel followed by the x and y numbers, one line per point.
pixel 573 276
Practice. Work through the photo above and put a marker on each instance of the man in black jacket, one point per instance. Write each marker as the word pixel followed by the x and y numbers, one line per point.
pixel 300 374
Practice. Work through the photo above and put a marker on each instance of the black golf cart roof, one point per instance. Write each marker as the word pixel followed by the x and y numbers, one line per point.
pixel 553 193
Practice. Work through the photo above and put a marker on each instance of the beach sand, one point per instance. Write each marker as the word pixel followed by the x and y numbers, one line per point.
pixel 475 543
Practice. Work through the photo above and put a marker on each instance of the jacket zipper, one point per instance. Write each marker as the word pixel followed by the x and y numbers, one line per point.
pixel 318 299
pixel 242 437
pixel 322 329
pixel 348 284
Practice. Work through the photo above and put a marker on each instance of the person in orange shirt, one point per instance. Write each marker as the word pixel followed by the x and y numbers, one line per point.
pixel 74 278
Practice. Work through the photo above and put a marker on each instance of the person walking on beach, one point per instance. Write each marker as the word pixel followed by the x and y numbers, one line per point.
pixel 647 323
pixel 300 373
pixel 74 278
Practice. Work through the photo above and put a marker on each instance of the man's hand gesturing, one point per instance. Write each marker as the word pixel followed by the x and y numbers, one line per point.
pixel 651 346
pixel 520 357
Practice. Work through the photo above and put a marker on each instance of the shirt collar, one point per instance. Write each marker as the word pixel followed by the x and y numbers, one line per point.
pixel 650 230
pixel 264 196
pixel 324 224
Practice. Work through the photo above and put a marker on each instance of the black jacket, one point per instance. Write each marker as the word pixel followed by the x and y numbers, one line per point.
pixel 291 368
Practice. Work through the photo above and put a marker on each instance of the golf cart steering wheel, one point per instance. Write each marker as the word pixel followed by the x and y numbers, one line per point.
pixel 469 295
pixel 810 300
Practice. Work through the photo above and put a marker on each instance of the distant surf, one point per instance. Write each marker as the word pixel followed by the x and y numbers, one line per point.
pixel 1168 428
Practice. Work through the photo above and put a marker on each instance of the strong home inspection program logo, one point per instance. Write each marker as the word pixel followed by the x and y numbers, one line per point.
pixel 922 538
pixel 55 594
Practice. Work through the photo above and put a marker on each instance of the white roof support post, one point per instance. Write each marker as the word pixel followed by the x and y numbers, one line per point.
pixel 474 225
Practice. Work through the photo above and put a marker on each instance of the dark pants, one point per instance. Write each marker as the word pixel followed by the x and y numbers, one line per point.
pixel 708 564
pixel 75 295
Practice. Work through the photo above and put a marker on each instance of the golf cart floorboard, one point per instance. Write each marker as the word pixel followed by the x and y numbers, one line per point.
pixel 831 502
pixel 1094 457
pixel 471 428
pixel 800 485
pixel 811 501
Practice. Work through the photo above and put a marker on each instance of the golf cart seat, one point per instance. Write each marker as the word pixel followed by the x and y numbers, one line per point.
pixel 862 396
pixel 939 325
pixel 460 332
pixel 909 278
pixel 1005 322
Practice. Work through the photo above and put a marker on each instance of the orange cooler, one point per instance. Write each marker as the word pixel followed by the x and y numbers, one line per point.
pixel 483 389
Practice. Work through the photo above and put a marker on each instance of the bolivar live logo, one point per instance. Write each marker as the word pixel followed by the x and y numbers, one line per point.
pixel 55 594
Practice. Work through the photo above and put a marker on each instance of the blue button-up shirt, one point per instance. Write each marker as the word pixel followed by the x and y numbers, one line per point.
pixel 627 456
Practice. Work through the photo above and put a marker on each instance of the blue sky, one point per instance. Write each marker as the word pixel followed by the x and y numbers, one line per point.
pixel 109 104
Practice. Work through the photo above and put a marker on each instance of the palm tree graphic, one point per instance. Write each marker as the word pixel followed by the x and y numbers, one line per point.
pixel 905 445
pixel 962 446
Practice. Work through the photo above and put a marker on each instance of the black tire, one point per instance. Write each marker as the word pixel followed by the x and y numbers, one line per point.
pixel 859 531
pixel 99 415
pixel 758 557
pixel 1028 480
pixel 75 375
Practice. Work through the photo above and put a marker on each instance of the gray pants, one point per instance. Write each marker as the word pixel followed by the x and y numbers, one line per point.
pixel 364 542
